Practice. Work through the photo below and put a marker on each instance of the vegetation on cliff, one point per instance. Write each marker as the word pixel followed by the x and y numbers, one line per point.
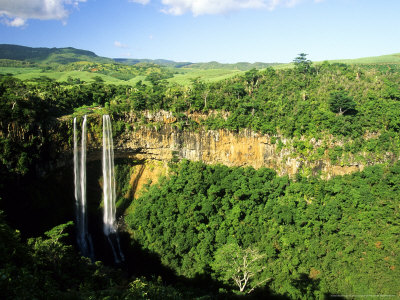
pixel 329 111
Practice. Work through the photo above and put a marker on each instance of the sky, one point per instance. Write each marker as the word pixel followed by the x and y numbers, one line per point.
pixel 226 31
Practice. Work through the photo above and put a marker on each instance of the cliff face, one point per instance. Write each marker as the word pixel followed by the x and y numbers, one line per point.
pixel 246 148
pixel 161 140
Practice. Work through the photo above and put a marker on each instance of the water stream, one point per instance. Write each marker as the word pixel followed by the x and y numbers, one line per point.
pixel 109 195
pixel 84 240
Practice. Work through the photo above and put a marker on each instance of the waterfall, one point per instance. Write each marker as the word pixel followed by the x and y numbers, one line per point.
pixel 76 173
pixel 83 238
pixel 109 196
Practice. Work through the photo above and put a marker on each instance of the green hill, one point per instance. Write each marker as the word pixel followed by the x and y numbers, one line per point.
pixel 60 63
pixel 387 59
pixel 70 55
pixel 160 62
pixel 49 55
pixel 212 65
pixel 242 66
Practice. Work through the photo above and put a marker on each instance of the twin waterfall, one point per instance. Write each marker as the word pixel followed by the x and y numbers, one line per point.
pixel 83 238
pixel 109 227
pixel 109 196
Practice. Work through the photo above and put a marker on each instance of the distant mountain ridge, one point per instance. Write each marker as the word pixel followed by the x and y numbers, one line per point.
pixel 69 55
pixel 49 55
pixel 160 62
pixel 242 66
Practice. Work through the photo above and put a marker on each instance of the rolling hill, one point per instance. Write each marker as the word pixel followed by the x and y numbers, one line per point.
pixel 160 62
pixel 61 63
pixel 382 59
pixel 49 55
pixel 69 55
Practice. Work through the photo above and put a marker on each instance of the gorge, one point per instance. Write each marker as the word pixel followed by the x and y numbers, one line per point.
pixel 265 165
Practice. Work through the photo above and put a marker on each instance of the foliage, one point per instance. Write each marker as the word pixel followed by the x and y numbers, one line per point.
pixel 341 103
pixel 288 102
pixel 48 55
pixel 141 288
pixel 240 265
pixel 302 64
pixel 243 66
pixel 48 268
pixel 316 237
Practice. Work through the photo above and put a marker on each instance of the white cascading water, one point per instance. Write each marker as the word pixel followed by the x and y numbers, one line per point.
pixel 83 238
pixel 109 196
pixel 77 174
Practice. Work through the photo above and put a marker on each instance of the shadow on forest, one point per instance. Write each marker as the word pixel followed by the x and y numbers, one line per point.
pixel 141 262
pixel 126 200
pixel 35 205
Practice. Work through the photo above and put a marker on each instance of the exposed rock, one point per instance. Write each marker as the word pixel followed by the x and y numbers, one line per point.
pixel 160 139
pixel 246 148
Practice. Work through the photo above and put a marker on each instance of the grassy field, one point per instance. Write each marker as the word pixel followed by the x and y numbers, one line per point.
pixel 16 70
pixel 183 77
pixel 63 76
pixel 186 74
pixel 373 60
pixel 391 58
pixel 31 73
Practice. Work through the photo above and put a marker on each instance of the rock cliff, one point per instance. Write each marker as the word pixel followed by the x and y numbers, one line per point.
pixel 157 137
pixel 164 141
pixel 246 148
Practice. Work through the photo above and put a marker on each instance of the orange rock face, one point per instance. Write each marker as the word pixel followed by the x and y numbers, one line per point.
pixel 246 148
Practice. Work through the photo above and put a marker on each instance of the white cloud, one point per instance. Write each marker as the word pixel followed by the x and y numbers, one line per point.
pixel 202 7
pixel 16 12
pixel 144 2
pixel 16 22
pixel 120 45
pixel 126 54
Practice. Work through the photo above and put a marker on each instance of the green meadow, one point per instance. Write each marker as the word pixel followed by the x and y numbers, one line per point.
pixel 64 75
pixel 65 64
pixel 185 75
pixel 390 58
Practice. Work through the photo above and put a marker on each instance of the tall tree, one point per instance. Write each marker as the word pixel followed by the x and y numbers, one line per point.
pixel 341 103
pixel 303 65
pixel 240 265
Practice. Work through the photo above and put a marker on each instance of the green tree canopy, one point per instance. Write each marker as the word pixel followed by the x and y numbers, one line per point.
pixel 341 103
pixel 240 265
pixel 303 65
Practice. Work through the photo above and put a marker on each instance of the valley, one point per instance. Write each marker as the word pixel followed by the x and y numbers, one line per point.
pixel 291 168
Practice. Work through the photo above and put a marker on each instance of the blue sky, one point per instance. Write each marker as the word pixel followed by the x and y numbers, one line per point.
pixel 227 31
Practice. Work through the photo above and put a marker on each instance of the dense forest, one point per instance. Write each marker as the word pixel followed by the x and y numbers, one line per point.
pixel 305 238
pixel 209 230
